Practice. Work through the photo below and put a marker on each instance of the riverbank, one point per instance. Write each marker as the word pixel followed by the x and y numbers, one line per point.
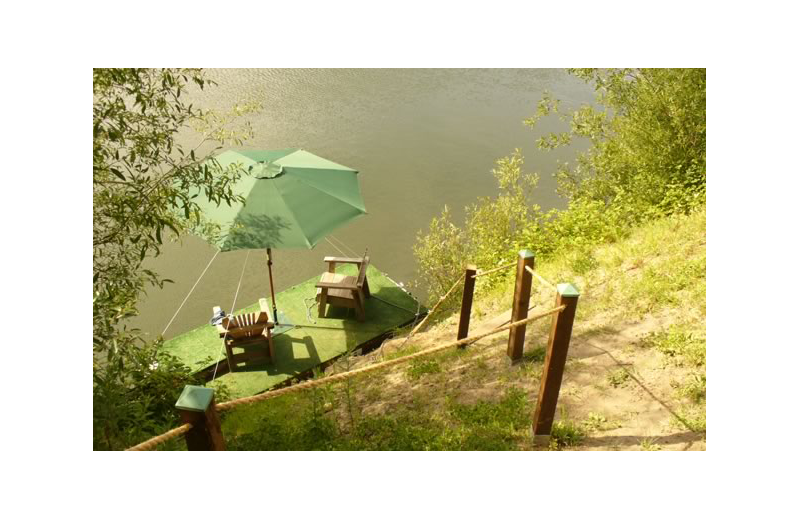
pixel 635 377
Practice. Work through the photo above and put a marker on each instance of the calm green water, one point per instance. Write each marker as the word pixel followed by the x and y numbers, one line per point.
pixel 420 138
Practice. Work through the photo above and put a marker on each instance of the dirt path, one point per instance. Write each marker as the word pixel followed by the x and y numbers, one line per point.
pixel 620 390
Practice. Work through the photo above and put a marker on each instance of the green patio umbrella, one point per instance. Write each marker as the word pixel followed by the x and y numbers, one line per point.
pixel 293 199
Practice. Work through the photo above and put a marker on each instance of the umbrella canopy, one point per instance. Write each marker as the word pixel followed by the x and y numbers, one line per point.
pixel 293 199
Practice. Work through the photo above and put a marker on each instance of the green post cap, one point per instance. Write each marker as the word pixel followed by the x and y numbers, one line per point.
pixel 567 289
pixel 195 398
pixel 526 254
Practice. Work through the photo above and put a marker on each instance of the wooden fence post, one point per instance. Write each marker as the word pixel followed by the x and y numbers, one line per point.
pixel 196 406
pixel 519 311
pixel 466 302
pixel 554 361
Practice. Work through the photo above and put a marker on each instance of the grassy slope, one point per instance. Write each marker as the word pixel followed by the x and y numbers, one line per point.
pixel 635 378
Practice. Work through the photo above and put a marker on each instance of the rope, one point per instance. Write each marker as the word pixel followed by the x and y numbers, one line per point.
pixel 160 439
pixel 536 275
pixel 190 292
pixel 430 313
pixel 336 248
pixel 493 270
pixel 341 243
pixel 233 306
pixel 442 299
pixel 346 375
pixel 175 432
pixel 308 308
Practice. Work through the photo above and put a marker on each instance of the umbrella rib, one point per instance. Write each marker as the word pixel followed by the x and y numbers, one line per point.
pixel 300 179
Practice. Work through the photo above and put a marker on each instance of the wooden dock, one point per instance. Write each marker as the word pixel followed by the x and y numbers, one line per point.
pixel 306 344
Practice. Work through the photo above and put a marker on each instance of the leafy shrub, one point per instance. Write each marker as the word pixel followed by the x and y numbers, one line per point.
pixel 135 401
pixel 647 159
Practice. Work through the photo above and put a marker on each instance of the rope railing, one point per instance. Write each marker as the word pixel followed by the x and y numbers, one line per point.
pixel 441 300
pixel 538 277
pixel 180 430
pixel 160 439
pixel 560 335
pixel 384 364
pixel 430 312
pixel 490 271
pixel 447 295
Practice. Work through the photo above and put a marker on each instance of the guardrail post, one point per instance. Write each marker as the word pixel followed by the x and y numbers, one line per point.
pixel 466 302
pixel 196 406
pixel 519 311
pixel 554 361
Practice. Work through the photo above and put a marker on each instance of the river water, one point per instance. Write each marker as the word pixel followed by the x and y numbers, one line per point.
pixel 420 139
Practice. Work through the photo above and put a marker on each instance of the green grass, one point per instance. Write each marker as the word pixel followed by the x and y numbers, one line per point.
pixel 648 445
pixel 681 345
pixel 618 378
pixel 566 434
pixel 534 355
pixel 304 422
pixel 419 367
pixel 694 388
pixel 597 422
pixel 406 350
pixel 691 417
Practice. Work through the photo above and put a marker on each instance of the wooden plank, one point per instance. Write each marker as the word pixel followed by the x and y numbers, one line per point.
pixel 466 303
pixel 519 311
pixel 362 272
pixel 246 342
pixel 229 357
pixel 329 285
pixel 554 362
pixel 271 345
pixel 322 301
pixel 246 332
pixel 343 260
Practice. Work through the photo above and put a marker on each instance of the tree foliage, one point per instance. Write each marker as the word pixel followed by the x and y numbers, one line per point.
pixel 648 140
pixel 494 226
pixel 647 158
pixel 144 182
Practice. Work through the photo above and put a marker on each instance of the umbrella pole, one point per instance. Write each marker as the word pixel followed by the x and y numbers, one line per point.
pixel 272 286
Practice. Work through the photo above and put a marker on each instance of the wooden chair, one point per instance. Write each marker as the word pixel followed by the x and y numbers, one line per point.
pixel 251 332
pixel 344 291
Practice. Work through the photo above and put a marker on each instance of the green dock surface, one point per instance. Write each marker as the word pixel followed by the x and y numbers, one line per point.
pixel 307 344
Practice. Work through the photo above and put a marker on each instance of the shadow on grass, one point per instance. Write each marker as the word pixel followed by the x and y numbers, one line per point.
pixel 286 361
pixel 621 441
